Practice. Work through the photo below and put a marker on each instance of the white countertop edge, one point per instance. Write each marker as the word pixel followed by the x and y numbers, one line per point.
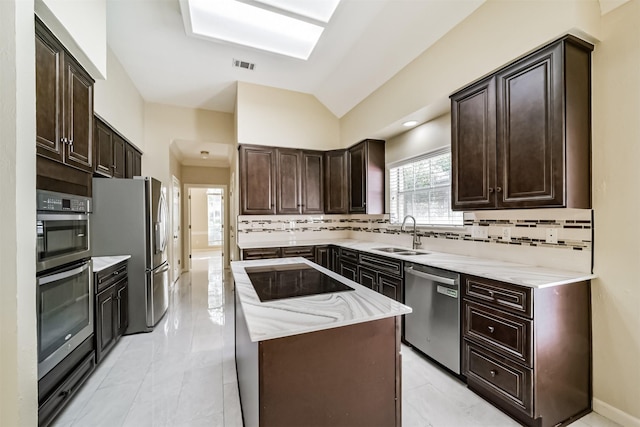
pixel 103 262
pixel 243 285
pixel 530 276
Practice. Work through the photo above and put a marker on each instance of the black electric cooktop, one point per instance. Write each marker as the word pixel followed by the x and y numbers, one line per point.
pixel 291 280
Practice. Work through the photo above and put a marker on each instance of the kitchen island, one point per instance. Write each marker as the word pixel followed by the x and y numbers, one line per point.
pixel 324 359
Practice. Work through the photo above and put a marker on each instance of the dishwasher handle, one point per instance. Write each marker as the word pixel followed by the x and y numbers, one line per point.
pixel 438 279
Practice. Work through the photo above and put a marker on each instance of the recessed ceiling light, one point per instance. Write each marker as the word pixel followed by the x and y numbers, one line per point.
pixel 410 123
pixel 240 23
pixel 204 154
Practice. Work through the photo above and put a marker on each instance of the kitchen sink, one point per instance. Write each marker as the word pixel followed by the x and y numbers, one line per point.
pixel 391 250
pixel 401 251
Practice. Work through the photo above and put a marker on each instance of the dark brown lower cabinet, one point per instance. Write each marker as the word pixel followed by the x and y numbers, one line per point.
pixel 383 275
pixel 528 350
pixel 323 256
pixel 111 309
pixel 349 270
pixel 345 376
pixel 57 388
pixel 298 251
pixel 260 253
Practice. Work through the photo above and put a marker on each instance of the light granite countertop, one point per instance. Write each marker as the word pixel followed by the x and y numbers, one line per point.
pixel 103 262
pixel 510 272
pixel 299 315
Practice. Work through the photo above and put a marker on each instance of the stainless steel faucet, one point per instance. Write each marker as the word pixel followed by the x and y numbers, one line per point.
pixel 416 239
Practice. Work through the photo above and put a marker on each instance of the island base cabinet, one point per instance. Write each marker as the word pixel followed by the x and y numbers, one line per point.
pixel 345 376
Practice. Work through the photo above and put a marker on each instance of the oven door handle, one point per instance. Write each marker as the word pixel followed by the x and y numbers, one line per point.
pixel 61 217
pixel 63 275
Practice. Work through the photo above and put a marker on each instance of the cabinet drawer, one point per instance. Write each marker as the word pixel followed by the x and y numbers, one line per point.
pixel 348 254
pixel 503 332
pixel 498 379
pixel 387 265
pixel 63 394
pixel 294 251
pixel 513 298
pixel 109 276
pixel 260 253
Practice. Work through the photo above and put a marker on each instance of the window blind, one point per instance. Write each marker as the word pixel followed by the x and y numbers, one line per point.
pixel 421 187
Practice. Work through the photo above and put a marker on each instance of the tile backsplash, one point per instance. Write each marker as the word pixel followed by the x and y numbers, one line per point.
pixel 553 236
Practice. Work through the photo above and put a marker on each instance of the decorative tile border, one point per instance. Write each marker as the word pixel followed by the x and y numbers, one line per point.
pixel 575 227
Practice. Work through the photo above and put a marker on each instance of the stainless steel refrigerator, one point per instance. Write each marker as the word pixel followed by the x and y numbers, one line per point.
pixel 130 218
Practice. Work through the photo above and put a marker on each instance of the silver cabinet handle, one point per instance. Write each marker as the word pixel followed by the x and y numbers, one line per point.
pixel 491 329
pixel 445 280
pixel 493 373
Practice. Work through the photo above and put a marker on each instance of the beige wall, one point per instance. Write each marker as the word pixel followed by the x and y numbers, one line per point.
pixel 616 202
pixel 18 361
pixel 81 26
pixel 422 139
pixel 283 118
pixel 118 102
pixel 496 33
pixel 199 219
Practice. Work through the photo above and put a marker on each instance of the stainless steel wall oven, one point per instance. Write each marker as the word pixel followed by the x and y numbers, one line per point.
pixel 64 277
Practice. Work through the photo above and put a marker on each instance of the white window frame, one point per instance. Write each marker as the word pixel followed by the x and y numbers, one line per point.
pixel 397 220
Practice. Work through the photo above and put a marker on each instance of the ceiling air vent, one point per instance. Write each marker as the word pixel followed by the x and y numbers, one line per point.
pixel 243 64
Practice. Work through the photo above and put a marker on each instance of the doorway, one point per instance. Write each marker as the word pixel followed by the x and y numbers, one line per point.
pixel 206 220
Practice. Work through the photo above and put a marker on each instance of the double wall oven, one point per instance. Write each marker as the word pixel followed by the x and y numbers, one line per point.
pixel 64 277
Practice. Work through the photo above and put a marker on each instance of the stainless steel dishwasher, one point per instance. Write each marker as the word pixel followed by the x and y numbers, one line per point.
pixel 434 325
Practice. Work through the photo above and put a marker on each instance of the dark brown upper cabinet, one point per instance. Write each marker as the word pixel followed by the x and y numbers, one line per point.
pixel 118 157
pixel 257 180
pixel 312 171
pixel 64 104
pixel 133 162
pixel 115 157
pixel 288 181
pixel 366 177
pixel 336 195
pixel 521 138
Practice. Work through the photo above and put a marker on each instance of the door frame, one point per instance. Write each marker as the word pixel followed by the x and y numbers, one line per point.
pixel 176 244
pixel 187 222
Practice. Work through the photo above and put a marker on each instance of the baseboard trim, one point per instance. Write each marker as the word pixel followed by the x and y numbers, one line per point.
pixel 615 414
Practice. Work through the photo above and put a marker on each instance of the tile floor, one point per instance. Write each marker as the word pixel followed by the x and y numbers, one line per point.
pixel 183 373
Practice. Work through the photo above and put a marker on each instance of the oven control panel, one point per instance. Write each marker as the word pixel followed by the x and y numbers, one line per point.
pixel 59 202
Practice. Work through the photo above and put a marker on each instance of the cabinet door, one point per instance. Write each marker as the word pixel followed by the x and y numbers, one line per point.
pixel 48 96
pixel 128 160
pixel 105 322
pixel 78 112
pixel 357 178
pixel 473 147
pixel 349 270
pixel 390 286
pixel 103 148
pixel 335 178
pixel 137 163
pixel 122 307
pixel 118 157
pixel 368 278
pixel 335 259
pixel 312 182
pixel 288 185
pixel 257 180
pixel 530 131
pixel 322 256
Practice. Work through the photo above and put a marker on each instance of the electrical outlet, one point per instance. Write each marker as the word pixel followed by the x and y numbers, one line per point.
pixel 506 234
pixel 478 232
pixel 552 235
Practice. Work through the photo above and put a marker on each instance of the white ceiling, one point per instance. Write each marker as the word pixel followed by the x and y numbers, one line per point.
pixel 364 45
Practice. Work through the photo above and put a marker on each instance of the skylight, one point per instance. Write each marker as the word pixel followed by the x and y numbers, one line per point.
pixel 245 24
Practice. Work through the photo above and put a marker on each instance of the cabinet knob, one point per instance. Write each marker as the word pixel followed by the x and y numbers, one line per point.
pixel 115 273
pixel 64 393
pixel 490 293
pixel 64 140
pixel 491 329
pixel 493 373
pixel 490 189
pixel 70 141
pixel 498 189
